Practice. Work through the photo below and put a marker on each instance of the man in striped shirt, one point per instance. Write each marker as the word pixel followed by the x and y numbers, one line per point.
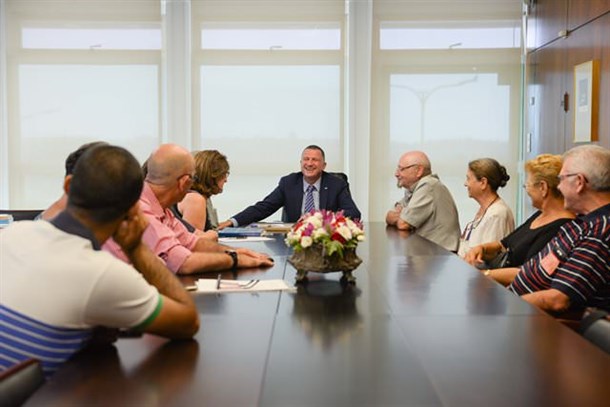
pixel 58 286
pixel 573 270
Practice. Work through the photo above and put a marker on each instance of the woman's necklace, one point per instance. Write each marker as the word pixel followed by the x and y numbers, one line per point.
pixel 472 225
pixel 486 208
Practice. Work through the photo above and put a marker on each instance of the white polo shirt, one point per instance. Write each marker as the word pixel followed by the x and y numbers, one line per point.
pixel 55 286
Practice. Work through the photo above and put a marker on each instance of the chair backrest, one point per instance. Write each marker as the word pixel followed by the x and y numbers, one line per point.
pixel 178 215
pixel 19 382
pixel 341 175
pixel 22 214
pixel 595 326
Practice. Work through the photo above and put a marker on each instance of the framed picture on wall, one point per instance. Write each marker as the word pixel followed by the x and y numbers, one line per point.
pixel 586 101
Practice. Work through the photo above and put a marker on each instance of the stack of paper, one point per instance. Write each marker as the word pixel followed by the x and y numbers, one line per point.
pixel 215 286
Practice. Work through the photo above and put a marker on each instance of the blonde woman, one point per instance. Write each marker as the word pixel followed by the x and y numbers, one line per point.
pixel 212 172
pixel 529 238
pixel 494 219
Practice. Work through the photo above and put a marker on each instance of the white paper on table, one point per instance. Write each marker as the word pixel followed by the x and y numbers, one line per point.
pixel 208 286
pixel 275 227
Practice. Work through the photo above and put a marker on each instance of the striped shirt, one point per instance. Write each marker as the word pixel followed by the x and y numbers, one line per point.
pixel 575 262
pixel 56 286
pixel 23 338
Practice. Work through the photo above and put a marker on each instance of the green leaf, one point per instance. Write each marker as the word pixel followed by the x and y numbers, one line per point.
pixel 332 247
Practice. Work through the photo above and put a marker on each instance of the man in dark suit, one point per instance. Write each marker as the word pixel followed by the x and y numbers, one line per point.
pixel 300 192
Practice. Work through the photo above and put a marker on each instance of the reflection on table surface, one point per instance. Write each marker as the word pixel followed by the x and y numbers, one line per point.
pixel 420 327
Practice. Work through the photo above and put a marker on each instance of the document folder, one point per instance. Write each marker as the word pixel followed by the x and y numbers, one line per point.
pixel 240 232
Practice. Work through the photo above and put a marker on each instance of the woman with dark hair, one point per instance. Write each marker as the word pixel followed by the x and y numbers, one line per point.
pixel 212 172
pixel 494 219
pixel 529 238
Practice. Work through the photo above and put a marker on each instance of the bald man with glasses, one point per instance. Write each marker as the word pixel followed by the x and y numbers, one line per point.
pixel 427 208
pixel 169 177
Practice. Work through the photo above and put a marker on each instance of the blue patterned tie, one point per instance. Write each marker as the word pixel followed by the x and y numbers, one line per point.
pixel 309 204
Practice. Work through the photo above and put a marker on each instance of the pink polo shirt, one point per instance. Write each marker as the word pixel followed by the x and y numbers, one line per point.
pixel 165 235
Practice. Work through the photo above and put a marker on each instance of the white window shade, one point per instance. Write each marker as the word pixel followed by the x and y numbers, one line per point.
pixel 91 38
pixel 425 115
pixel 271 36
pixel 64 106
pixel 271 81
pixel 447 81
pixel 450 35
pixel 77 71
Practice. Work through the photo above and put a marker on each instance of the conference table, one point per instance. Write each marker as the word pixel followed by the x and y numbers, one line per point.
pixel 419 328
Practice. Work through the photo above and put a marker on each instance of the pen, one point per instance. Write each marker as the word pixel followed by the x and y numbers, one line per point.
pixel 218 282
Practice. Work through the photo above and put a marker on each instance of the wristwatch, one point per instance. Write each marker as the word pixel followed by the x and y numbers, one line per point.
pixel 233 255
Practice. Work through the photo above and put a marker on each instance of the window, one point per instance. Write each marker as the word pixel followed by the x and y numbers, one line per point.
pixel 79 103
pixel 447 84
pixel 454 118
pixel 267 86
pixel 450 35
pixel 77 74
pixel 260 80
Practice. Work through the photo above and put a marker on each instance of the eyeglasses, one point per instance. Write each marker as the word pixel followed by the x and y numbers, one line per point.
pixel 401 169
pixel 192 177
pixel 564 176
pixel 528 185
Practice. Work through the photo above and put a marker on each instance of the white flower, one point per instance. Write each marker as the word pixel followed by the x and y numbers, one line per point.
pixel 345 232
pixel 318 233
pixel 291 240
pixel 306 241
pixel 352 226
pixel 316 221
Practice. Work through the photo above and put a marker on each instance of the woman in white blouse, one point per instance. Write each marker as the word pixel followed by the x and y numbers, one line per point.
pixel 494 219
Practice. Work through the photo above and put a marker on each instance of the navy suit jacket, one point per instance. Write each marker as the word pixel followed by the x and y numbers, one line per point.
pixel 334 196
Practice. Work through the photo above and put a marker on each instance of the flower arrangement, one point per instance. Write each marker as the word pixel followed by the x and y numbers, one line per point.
pixel 333 231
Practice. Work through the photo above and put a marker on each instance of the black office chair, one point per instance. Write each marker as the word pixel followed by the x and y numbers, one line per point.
pixel 595 326
pixel 341 175
pixel 22 214
pixel 19 382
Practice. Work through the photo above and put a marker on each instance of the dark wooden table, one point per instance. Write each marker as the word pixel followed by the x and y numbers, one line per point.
pixel 421 327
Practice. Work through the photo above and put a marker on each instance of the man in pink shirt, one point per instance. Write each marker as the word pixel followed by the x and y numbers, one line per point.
pixel 170 176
